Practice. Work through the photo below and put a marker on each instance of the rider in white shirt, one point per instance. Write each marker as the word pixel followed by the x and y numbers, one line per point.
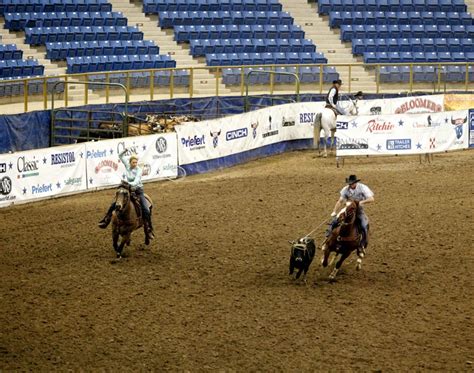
pixel 356 191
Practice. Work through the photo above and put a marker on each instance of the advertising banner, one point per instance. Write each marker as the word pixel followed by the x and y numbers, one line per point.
pixel 471 128
pixel 403 134
pixel 458 101
pixel 402 105
pixel 157 156
pixel 42 173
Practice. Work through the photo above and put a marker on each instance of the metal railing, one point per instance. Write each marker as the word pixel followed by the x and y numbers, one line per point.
pixel 37 90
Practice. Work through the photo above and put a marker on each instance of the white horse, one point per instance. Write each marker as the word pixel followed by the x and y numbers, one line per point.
pixel 326 120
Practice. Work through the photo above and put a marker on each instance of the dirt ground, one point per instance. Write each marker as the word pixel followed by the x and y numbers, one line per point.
pixel 212 291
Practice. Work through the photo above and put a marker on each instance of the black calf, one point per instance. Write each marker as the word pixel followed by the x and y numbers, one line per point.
pixel 301 256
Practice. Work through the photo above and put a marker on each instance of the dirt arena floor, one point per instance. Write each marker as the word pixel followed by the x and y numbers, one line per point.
pixel 212 291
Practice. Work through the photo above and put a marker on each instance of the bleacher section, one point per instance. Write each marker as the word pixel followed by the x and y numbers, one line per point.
pixel 87 34
pixel 402 31
pixel 13 66
pixel 239 32
pixel 20 21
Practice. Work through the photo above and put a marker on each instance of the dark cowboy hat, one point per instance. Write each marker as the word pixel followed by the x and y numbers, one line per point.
pixel 359 94
pixel 337 81
pixel 352 179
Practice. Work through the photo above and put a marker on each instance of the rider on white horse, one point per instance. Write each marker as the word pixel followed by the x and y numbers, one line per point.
pixel 333 96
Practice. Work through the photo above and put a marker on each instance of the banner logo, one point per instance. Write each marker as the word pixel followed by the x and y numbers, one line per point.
pixel 215 138
pixel 287 122
pixel 146 169
pixel 106 166
pixel 27 167
pixel 96 154
pixel 193 143
pixel 458 126
pixel 73 181
pixel 236 134
pixel 305 118
pixel 342 125
pixel 3 167
pixel 63 159
pixel 374 126
pixel 352 143
pixel 376 110
pixel 40 189
pixel 399 144
pixel 161 145
pixel 5 185
pixel 419 104
pixel 131 150
pixel 254 129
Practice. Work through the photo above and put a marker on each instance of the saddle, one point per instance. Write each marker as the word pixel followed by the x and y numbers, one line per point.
pixel 137 204
pixel 334 110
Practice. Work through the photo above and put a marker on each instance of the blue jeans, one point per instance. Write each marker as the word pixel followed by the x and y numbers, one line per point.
pixel 143 202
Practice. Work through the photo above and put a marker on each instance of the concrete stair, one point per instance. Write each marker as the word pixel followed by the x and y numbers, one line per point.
pixel 38 53
pixel 328 41
pixel 204 82
pixel 470 6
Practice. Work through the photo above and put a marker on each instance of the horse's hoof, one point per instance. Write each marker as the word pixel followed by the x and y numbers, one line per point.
pixel 359 264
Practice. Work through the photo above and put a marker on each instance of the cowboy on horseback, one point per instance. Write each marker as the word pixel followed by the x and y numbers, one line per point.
pixel 333 96
pixel 355 191
pixel 133 178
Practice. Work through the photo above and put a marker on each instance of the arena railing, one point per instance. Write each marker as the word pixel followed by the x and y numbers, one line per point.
pixel 185 82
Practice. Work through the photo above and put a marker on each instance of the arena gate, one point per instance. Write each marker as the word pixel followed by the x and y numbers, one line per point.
pixel 274 100
pixel 69 125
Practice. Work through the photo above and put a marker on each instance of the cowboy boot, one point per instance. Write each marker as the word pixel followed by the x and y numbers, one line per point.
pixel 107 218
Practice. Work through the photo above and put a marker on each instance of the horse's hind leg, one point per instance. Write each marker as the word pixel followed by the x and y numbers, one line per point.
pixel 317 137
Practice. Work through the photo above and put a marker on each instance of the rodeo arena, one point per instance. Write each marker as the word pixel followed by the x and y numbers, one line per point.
pixel 237 185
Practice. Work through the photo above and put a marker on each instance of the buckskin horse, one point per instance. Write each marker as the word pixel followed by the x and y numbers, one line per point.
pixel 127 218
pixel 344 239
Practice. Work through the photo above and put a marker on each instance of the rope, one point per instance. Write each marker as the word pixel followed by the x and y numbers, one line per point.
pixel 314 230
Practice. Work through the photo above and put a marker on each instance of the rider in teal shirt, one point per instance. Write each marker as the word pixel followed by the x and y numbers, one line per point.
pixel 133 176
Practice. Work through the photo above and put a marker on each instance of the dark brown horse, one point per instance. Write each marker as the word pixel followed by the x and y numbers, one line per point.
pixel 125 218
pixel 344 239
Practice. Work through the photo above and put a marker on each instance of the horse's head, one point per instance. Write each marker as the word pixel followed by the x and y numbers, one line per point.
pixel 122 197
pixel 348 106
pixel 349 213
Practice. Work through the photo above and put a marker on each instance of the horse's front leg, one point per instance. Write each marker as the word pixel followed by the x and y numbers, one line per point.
pixel 338 265
pixel 115 237
pixel 125 239
pixel 326 253
pixel 333 142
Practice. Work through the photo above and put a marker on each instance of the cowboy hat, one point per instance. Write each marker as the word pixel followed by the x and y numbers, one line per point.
pixel 337 81
pixel 352 179
pixel 359 94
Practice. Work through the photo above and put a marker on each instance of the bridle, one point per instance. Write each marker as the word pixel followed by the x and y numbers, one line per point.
pixel 122 191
